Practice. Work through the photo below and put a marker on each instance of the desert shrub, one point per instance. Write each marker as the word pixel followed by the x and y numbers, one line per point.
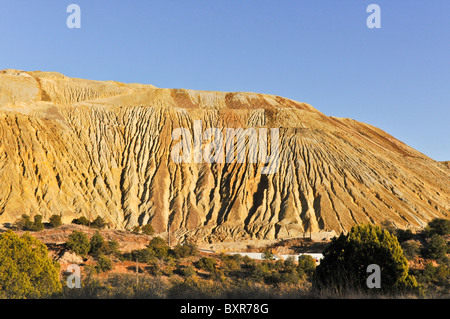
pixel 91 288
pixel 346 258
pixel 136 229
pixel 155 267
pixel 277 266
pixel 26 224
pixel 81 221
pixel 248 262
pixel 37 225
pixel 119 286
pixel 237 257
pixel 306 264
pixel 267 254
pixel 389 226
pixel 124 286
pixel 99 223
pixel 436 247
pixel 169 265
pixel 185 250
pixel 55 221
pixel 206 263
pixel 290 276
pixel 26 270
pixel 103 264
pixel 411 249
pixel 145 255
pixel 218 275
pixel 230 265
pixel 111 247
pixel 259 272
pixel 436 274
pixel 185 271
pixel 289 263
pixel 159 247
pixel 435 280
pixel 274 273
pixel 188 271
pixel 404 235
pixel 97 244
pixel 147 229
pixel 442 276
pixel 438 226
pixel 194 288
pixel 79 243
pixel 23 223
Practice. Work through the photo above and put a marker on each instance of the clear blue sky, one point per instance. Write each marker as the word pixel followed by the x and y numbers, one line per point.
pixel 320 52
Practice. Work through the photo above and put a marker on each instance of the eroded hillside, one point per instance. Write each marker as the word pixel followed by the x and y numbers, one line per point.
pixel 86 148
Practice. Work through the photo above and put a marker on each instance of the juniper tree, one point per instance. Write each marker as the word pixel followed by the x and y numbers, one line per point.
pixel 345 262
pixel 26 270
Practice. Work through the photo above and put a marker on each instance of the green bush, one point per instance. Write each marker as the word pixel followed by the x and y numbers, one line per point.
pixel 274 273
pixel 194 288
pixel 237 257
pixel 187 271
pixel 435 280
pixel 26 270
pixel 99 223
pixel 26 224
pixel 218 275
pixel 103 264
pixel 437 275
pixel 438 226
pixel 410 249
pixel 346 258
pixel 404 235
pixel 436 247
pixel 306 264
pixel 159 247
pixel 81 221
pixel 185 250
pixel 79 243
pixel 145 255
pixel 277 265
pixel 23 223
pixel 97 244
pixel 259 272
pixel 111 247
pixel 248 262
pixel 290 276
pixel 37 225
pixel 147 229
pixel 289 263
pixel 230 265
pixel 206 263
pixel 55 221
pixel 267 254
pixel 155 267
pixel 136 229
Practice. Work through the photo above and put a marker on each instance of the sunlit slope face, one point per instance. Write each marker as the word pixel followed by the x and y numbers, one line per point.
pixel 88 148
